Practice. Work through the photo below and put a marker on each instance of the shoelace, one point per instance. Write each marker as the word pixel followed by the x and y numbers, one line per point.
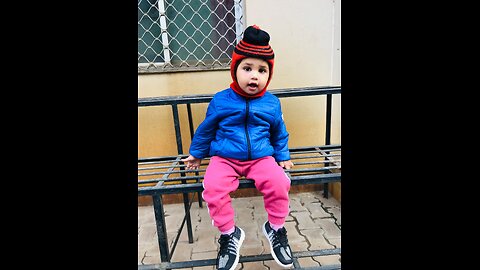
pixel 280 237
pixel 224 242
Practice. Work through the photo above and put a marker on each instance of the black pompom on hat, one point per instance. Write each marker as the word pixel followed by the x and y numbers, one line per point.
pixel 255 44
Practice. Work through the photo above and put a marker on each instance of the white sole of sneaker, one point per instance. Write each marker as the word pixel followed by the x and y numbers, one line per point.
pixel 271 249
pixel 240 242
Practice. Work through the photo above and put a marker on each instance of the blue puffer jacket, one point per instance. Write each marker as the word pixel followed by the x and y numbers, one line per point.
pixel 243 129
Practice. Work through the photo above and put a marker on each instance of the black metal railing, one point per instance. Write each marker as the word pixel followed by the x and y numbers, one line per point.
pixel 167 174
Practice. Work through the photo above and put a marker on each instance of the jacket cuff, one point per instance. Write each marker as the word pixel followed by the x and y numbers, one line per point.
pixel 197 154
pixel 282 156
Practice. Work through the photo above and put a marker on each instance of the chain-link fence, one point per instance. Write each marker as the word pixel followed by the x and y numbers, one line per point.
pixel 180 35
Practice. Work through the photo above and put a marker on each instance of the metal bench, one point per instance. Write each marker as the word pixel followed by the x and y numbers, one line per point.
pixel 161 175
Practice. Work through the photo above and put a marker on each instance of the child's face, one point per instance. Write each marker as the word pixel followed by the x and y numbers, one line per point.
pixel 252 75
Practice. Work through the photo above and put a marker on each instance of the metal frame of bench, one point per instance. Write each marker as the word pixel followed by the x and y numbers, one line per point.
pixel 167 175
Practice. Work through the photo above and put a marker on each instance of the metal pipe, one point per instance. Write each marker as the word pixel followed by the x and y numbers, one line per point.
pixel 328 131
pixel 192 132
pixel 178 136
pixel 161 228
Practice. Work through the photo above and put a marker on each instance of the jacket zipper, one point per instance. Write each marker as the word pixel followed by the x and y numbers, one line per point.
pixel 246 130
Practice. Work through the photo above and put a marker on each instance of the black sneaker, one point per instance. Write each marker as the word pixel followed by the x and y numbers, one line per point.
pixel 229 254
pixel 279 247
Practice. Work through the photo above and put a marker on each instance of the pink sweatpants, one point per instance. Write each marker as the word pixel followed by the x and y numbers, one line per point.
pixel 221 178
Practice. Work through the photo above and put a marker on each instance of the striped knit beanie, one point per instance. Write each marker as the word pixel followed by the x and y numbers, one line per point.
pixel 254 44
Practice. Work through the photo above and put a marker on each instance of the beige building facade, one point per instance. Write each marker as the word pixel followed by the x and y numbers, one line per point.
pixel 306 38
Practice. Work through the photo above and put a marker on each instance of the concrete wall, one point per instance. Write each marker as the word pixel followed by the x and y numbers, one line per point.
pixel 305 36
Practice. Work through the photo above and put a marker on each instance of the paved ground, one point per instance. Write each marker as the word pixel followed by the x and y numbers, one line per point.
pixel 314 223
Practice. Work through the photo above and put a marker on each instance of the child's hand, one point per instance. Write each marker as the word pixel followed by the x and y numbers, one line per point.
pixel 287 164
pixel 192 162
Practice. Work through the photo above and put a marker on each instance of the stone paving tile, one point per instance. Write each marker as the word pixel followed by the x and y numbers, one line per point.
pixel 272 265
pixel 296 205
pixel 330 202
pixel 151 254
pixel 174 221
pixel 260 218
pixel 304 220
pixel 206 242
pixel 316 239
pixel 203 256
pixel 147 233
pixel 253 266
pixel 247 250
pixel 293 233
pixel 336 214
pixel 208 267
pixel 252 237
pixel 184 235
pixel 308 197
pixel 183 252
pixel 176 208
pixel 337 242
pixel 329 227
pixel 317 211
pixel 239 203
pixel 308 262
pixel 243 212
pixel 313 223
pixel 259 221
pixel 145 215
pixel 289 218
pixel 327 259
pixel 297 246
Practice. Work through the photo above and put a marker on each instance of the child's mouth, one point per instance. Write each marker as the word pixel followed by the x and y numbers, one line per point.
pixel 252 86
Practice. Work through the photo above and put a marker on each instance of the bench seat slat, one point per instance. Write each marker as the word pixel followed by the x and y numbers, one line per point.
pixel 194 187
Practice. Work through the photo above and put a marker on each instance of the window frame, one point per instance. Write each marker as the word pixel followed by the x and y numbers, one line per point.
pixel 167 66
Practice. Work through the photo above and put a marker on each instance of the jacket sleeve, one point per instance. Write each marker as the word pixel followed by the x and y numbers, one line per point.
pixel 205 133
pixel 279 137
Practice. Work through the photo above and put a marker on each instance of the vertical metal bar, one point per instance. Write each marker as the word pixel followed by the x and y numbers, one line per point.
pixel 328 131
pixel 190 120
pixel 239 19
pixel 161 228
pixel 296 264
pixel 178 135
pixel 176 123
pixel 192 132
pixel 180 230
pixel 163 28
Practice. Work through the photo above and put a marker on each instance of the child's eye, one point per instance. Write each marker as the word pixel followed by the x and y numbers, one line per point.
pixel 262 70
pixel 247 68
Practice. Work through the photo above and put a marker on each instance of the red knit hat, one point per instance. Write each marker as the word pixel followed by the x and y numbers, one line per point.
pixel 254 44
